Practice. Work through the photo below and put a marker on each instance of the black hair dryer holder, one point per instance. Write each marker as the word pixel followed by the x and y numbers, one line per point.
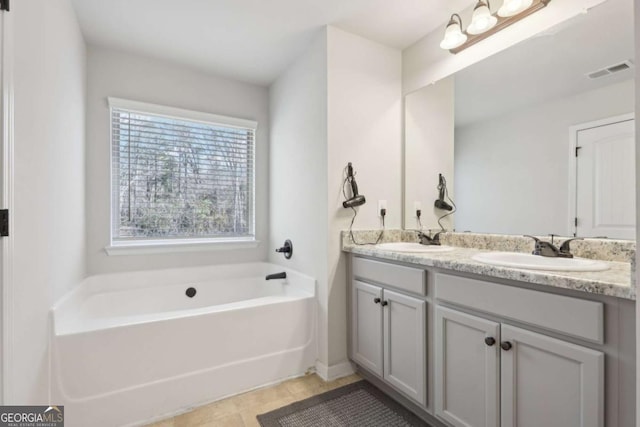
pixel 287 249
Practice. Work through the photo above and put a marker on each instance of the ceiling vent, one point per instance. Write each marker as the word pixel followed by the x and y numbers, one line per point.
pixel 626 65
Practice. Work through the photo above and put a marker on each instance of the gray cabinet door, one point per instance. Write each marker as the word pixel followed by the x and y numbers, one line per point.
pixel 467 369
pixel 549 382
pixel 366 324
pixel 405 342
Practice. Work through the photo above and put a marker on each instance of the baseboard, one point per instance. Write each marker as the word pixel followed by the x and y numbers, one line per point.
pixel 330 373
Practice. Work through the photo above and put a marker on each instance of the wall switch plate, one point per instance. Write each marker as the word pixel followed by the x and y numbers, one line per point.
pixel 382 204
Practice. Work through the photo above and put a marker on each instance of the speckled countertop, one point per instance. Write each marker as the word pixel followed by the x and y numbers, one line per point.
pixel 614 282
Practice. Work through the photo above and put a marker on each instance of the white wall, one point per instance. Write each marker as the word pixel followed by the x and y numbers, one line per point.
pixel 425 62
pixel 340 102
pixel 429 145
pixel 49 213
pixel 121 75
pixel 365 128
pixel 298 172
pixel 512 172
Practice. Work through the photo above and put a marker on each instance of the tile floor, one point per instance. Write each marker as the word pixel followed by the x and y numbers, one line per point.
pixel 241 410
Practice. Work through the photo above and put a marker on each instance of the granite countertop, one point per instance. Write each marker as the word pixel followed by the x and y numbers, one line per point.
pixel 614 282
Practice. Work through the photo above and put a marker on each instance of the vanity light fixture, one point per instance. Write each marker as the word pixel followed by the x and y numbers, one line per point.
pixel 484 24
pixel 513 7
pixel 482 20
pixel 453 35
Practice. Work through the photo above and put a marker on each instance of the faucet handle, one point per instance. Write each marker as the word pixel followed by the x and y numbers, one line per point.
pixel 565 247
pixel 537 249
pixel 436 237
pixel 423 238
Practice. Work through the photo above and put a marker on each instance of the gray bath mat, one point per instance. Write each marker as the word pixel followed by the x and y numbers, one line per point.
pixel 355 405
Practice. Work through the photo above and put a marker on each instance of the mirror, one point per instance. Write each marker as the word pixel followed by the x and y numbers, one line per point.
pixel 504 133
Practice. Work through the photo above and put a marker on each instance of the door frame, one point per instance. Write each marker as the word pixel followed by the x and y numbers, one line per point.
pixel 573 161
pixel 7 145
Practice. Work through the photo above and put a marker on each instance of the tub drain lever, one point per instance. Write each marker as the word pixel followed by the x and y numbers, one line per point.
pixel 287 249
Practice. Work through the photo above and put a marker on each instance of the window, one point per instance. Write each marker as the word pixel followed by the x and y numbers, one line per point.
pixel 180 175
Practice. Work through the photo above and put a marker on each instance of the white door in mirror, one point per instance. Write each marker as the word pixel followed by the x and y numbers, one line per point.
pixel 606 177
pixel 536 262
pixel 413 247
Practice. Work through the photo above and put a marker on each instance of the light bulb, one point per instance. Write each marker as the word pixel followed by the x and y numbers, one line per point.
pixel 513 7
pixel 453 35
pixel 482 20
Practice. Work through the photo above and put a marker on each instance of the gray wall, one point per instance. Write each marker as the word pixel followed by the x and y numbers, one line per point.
pixel 429 120
pixel 364 127
pixel 339 102
pixel 137 78
pixel 298 171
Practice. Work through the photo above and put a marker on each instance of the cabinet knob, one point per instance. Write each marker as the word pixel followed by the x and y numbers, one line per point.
pixel 383 303
pixel 489 341
pixel 506 345
pixel 376 300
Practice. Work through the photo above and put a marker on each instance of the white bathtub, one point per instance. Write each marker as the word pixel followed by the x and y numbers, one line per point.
pixel 129 348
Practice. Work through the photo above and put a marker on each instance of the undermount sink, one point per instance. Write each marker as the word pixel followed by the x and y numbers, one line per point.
pixel 413 247
pixel 536 262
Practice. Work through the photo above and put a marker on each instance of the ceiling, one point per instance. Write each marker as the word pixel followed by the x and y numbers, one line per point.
pixel 550 66
pixel 251 40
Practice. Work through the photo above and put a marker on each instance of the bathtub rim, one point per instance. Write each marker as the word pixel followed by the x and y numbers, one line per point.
pixel 95 284
pixel 172 315
pixel 90 285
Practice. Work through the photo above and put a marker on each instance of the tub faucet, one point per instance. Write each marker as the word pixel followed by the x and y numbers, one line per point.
pixel 550 250
pixel 282 275
pixel 428 240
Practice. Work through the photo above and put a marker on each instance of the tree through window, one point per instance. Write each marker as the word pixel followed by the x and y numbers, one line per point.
pixel 178 177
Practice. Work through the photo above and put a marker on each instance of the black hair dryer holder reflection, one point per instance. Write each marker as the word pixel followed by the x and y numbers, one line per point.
pixel 440 203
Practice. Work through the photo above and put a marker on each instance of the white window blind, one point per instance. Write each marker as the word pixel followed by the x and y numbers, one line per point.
pixel 179 174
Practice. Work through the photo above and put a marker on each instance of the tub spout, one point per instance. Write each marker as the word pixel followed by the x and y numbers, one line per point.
pixel 282 275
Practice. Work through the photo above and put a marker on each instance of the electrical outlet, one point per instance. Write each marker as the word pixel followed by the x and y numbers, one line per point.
pixel 382 204
pixel 417 206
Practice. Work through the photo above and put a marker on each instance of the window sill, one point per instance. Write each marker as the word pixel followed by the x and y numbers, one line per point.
pixel 176 246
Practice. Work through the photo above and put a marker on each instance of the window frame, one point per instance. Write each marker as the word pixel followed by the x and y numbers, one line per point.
pixel 177 244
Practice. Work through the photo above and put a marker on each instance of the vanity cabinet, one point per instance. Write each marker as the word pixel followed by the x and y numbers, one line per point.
pixel 467 369
pixel 470 350
pixel 490 374
pixel 404 335
pixel 388 333
pixel 549 382
pixel 366 337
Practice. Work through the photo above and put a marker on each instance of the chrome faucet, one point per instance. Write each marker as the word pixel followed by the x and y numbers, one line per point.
pixel 428 240
pixel 550 250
